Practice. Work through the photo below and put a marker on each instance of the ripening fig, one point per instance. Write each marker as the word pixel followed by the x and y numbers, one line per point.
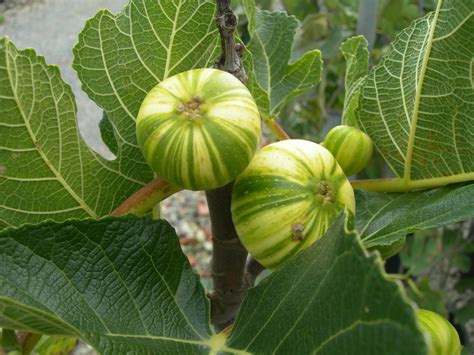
pixel 351 147
pixel 440 336
pixel 199 129
pixel 287 198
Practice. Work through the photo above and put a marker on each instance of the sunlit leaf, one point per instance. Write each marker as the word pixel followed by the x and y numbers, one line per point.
pixel 385 218
pixel 272 35
pixel 356 55
pixel 46 170
pixel 120 58
pixel 418 104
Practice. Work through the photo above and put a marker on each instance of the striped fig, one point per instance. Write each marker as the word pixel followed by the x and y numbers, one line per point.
pixel 287 198
pixel 199 129
pixel 351 147
pixel 440 336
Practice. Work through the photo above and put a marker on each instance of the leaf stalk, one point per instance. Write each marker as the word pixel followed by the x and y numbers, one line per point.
pixel 146 198
pixel 403 185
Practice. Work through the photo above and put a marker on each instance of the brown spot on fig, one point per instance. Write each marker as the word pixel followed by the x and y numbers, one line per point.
pixel 297 231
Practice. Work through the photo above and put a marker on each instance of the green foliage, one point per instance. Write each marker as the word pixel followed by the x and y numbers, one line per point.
pixel 123 284
pixel 327 29
pixel 465 314
pixel 8 340
pixel 56 345
pixel 409 104
pixel 435 260
pixel 356 54
pixel 272 35
pixel 107 133
pixel 120 284
pixel 383 219
pixel 427 297
pixel 120 58
pixel 395 15
pixel 46 170
pixel 300 8
pixel 302 309
pixel 428 248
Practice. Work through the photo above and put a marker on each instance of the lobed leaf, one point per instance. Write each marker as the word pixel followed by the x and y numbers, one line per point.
pixel 272 35
pixel 418 103
pixel 385 218
pixel 329 299
pixel 356 53
pixel 120 58
pixel 121 284
pixel 46 170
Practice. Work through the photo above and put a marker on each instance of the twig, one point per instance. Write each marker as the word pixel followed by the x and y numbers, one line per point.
pixel 227 22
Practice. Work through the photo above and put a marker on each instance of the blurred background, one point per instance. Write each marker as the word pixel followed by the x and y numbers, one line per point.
pixel 437 265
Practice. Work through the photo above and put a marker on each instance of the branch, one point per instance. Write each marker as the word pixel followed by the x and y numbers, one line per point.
pixel 230 60
pixel 146 198
pixel 228 260
pixel 231 57
pixel 228 255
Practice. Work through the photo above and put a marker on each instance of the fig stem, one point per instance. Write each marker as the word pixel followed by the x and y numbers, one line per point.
pixel 275 127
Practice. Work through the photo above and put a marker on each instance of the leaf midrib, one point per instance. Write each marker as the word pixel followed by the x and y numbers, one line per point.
pixel 171 42
pixel 79 333
pixel 416 107
pixel 48 163
pixel 52 316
